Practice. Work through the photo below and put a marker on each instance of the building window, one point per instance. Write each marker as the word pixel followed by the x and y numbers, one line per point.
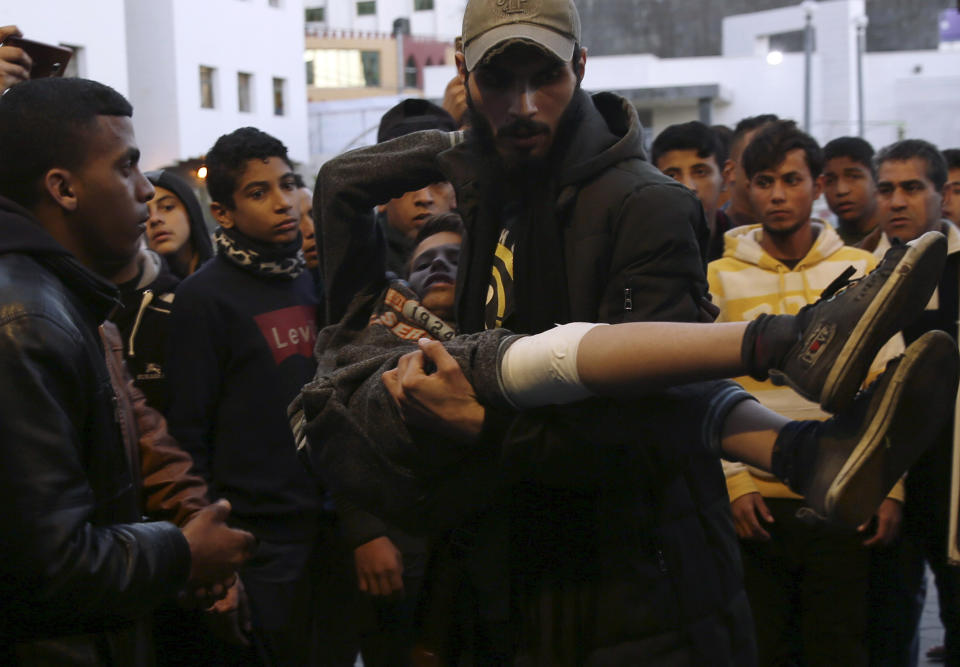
pixel 244 86
pixel 342 68
pixel 371 68
pixel 208 81
pixel 366 7
pixel 278 95
pixel 316 14
pixel 410 73
pixel 311 74
pixel 422 4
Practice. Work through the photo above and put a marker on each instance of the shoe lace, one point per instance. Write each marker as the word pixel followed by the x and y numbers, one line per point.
pixel 840 283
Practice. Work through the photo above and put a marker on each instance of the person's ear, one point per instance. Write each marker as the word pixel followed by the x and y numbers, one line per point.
pixel 60 185
pixel 222 215
pixel 818 187
pixel 461 66
pixel 729 168
pixel 581 64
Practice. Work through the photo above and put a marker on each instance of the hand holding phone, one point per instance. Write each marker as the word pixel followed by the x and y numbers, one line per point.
pixel 15 63
pixel 43 60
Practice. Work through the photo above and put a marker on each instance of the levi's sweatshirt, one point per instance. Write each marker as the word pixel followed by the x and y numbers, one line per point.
pixel 240 349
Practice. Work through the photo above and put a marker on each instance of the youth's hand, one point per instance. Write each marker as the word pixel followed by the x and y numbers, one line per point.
pixel 216 549
pixel 442 402
pixel 229 618
pixel 748 510
pixel 379 567
pixel 889 515
pixel 15 64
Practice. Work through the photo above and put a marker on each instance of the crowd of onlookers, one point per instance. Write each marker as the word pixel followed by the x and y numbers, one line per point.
pixel 164 386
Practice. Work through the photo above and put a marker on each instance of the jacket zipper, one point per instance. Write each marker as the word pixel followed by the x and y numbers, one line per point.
pixel 627 299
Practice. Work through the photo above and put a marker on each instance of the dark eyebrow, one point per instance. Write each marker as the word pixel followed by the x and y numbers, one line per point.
pixel 164 198
pixel 256 184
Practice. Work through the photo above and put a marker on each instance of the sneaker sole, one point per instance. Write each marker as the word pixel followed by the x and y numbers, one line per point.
pixel 898 302
pixel 915 406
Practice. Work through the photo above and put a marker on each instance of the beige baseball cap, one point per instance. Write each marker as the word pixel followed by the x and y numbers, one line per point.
pixel 552 24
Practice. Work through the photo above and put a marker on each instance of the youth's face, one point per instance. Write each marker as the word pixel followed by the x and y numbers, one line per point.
pixel 266 203
pixel 111 196
pixel 408 212
pixel 522 93
pixel 850 190
pixel 951 196
pixel 909 203
pixel 433 272
pixel 700 174
pixel 168 229
pixel 308 232
pixel 782 198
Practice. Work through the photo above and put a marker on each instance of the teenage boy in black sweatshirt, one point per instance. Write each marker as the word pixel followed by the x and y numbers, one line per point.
pixel 241 344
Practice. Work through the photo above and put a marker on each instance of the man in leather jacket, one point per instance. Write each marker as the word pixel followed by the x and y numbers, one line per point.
pixel 78 568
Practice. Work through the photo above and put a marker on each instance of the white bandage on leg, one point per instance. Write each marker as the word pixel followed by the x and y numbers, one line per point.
pixel 542 369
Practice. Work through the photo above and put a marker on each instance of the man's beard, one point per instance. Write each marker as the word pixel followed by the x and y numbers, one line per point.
pixel 785 232
pixel 518 168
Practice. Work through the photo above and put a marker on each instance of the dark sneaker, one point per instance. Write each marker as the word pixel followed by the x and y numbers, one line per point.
pixel 842 332
pixel 863 451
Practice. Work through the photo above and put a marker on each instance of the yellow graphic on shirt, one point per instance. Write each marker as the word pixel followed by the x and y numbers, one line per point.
pixel 500 291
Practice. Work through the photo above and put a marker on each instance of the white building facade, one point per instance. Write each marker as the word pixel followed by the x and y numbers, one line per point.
pixel 437 19
pixel 913 94
pixel 193 70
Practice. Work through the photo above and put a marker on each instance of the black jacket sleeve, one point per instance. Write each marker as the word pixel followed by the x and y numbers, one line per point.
pixel 65 566
pixel 347 189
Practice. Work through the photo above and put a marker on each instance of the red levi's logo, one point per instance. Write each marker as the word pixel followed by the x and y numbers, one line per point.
pixel 289 331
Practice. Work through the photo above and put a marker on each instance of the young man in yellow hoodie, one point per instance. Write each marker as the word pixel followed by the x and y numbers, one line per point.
pixel 807 583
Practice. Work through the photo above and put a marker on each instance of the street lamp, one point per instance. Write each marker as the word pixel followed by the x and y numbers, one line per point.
pixel 807 6
pixel 860 23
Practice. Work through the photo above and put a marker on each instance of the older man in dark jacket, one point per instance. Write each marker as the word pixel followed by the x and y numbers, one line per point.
pixel 78 569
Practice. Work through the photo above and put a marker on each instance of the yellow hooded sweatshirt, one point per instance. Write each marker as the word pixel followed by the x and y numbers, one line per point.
pixel 746 282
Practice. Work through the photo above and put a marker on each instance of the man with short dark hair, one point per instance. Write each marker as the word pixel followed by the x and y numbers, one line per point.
pixel 79 571
pixel 736 181
pixel 951 189
pixel 693 154
pixel 807 584
pixel 850 187
pixel 911 176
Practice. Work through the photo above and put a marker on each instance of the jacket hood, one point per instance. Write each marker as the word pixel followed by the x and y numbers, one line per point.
pixel 154 273
pixel 199 235
pixel 743 243
pixel 605 130
pixel 22 234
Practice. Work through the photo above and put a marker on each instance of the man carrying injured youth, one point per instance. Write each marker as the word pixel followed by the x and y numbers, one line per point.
pixel 351 432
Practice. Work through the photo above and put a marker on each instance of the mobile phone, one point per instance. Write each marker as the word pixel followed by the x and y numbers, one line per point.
pixel 48 60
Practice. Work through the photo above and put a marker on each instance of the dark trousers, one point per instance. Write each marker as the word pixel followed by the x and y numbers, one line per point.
pixel 899 606
pixel 296 595
pixel 808 591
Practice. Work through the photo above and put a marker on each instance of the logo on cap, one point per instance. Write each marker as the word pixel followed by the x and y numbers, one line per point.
pixel 512 6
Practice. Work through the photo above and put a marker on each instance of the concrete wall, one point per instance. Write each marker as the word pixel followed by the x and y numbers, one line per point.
pixel 101 34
